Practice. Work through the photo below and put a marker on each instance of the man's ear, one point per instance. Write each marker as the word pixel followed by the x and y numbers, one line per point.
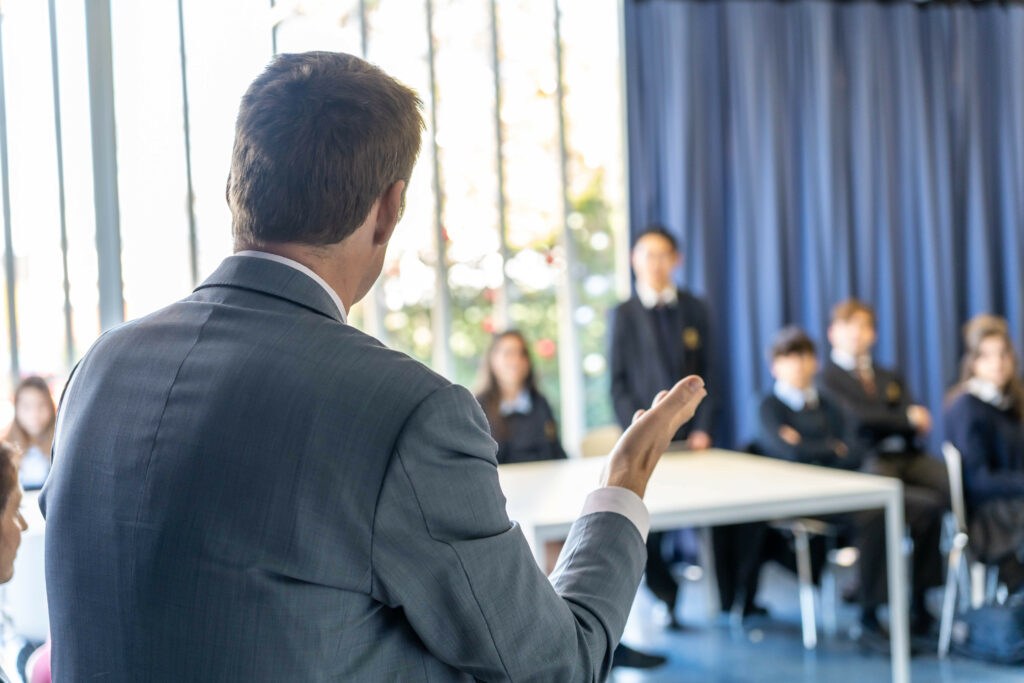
pixel 389 212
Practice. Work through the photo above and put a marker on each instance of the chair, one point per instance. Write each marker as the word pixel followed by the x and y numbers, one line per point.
pixel 801 530
pixel 961 573
pixel 599 441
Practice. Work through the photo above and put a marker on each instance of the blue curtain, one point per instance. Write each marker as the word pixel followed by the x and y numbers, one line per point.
pixel 805 152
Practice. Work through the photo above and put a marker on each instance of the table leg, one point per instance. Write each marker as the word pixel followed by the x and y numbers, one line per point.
pixel 707 563
pixel 899 627
pixel 536 542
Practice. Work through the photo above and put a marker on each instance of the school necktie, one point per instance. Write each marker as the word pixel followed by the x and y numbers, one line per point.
pixel 667 338
pixel 867 380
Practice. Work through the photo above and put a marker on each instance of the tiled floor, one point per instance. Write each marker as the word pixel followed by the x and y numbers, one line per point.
pixel 771 649
pixel 768 650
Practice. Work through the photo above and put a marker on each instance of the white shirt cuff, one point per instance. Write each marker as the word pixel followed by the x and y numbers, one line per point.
pixel 620 501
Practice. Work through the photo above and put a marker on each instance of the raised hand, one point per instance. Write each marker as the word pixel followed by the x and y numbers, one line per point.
pixel 641 446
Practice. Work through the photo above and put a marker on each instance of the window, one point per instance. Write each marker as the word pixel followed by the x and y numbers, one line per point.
pixel 514 216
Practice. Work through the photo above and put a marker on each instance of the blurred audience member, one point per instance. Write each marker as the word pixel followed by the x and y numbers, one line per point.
pixel 520 417
pixel 32 430
pixel 12 524
pixel 798 424
pixel 985 421
pixel 887 427
pixel 661 334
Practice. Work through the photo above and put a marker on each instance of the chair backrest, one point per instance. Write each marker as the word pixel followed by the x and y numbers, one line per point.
pixel 600 441
pixel 954 468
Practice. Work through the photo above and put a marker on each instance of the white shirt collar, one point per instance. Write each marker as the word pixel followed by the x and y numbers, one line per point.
pixel 796 399
pixel 521 404
pixel 305 271
pixel 849 362
pixel 987 392
pixel 650 298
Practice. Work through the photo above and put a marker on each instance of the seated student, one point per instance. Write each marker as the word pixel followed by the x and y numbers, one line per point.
pixel 520 418
pixel 796 423
pixel 886 425
pixel 985 421
pixel 32 430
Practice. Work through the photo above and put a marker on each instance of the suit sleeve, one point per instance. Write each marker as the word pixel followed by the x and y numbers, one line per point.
pixel 446 554
pixel 622 399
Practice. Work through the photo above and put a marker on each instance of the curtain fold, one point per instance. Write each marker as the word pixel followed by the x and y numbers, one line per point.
pixel 805 152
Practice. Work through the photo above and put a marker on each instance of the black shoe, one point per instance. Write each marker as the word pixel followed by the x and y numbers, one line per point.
pixel 634 659
pixel 923 624
pixel 674 624
pixel 874 638
pixel 755 610
pixel 924 633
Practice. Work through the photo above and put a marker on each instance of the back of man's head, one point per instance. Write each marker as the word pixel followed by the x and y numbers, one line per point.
pixel 319 137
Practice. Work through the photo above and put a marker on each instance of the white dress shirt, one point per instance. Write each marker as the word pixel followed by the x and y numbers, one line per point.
pixel 305 271
pixel 988 392
pixel 796 399
pixel 850 363
pixel 606 499
pixel 522 404
pixel 650 298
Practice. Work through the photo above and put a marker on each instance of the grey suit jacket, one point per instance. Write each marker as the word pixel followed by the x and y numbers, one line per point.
pixel 246 489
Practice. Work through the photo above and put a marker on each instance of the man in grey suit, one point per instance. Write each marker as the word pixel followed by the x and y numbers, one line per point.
pixel 246 488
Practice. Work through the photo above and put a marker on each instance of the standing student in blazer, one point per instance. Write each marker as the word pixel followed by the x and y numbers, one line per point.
pixel 521 419
pixel 247 488
pixel 660 334
pixel 887 426
pixel 985 421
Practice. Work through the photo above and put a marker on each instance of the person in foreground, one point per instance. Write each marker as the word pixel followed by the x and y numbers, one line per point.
pixel 12 524
pixel 246 488
pixel 985 421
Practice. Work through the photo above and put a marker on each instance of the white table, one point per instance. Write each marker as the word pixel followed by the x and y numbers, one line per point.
pixel 713 488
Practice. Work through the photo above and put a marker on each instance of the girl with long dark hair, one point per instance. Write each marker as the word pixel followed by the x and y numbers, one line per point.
pixel 985 421
pixel 521 419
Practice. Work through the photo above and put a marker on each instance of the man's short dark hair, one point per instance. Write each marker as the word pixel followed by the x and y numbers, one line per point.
pixel 319 137
pixel 659 230
pixel 791 340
